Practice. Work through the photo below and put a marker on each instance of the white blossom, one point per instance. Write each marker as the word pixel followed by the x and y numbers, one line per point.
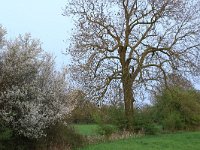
pixel 33 95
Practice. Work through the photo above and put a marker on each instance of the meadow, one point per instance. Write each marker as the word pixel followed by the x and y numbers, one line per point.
pixel 86 129
pixel 175 141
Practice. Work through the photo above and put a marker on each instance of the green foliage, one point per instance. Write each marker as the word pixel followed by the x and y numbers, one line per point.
pixel 10 141
pixel 105 117
pixel 58 136
pixel 61 136
pixel 118 118
pixel 106 129
pixel 84 110
pixel 83 114
pixel 178 109
pixel 111 115
pixel 102 115
pixel 143 121
pixel 173 122
pixel 152 129
pixel 5 134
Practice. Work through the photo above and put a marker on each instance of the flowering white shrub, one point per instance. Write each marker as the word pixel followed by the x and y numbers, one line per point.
pixel 33 95
pixel 30 110
pixel 2 33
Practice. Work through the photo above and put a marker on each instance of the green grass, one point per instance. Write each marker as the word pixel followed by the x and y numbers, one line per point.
pixel 86 129
pixel 178 141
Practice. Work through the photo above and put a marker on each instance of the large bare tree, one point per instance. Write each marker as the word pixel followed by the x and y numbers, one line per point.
pixel 136 42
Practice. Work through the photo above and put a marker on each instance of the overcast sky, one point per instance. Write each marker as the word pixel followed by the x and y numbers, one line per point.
pixel 43 19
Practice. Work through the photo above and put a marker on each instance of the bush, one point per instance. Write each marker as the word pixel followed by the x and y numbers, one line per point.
pixel 33 96
pixel 111 115
pixel 83 111
pixel 117 115
pixel 5 136
pixel 10 141
pixel 60 136
pixel 152 129
pixel 103 119
pixel 178 109
pixel 144 122
pixel 173 122
pixel 106 130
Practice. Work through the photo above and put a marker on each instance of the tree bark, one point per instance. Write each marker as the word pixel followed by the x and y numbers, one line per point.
pixel 127 83
pixel 128 100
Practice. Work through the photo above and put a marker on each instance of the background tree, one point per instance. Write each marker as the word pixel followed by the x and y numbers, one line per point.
pixel 177 108
pixel 84 109
pixel 173 81
pixel 135 41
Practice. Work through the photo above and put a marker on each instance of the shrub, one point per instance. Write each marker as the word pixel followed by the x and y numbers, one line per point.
pixel 173 122
pixel 60 136
pixel 5 136
pixel 117 115
pixel 10 141
pixel 144 122
pixel 152 129
pixel 106 130
pixel 84 110
pixel 178 109
pixel 33 95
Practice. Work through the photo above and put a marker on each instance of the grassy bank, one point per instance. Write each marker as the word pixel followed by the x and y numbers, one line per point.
pixel 178 141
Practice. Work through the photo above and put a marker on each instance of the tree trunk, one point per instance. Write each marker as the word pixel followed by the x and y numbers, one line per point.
pixel 127 86
pixel 128 100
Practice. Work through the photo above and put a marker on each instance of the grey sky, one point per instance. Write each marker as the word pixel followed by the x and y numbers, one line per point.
pixel 43 19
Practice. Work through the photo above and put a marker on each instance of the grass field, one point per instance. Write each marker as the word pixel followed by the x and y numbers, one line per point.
pixel 178 141
pixel 86 129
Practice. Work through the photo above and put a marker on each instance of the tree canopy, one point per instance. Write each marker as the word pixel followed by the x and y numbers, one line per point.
pixel 134 43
